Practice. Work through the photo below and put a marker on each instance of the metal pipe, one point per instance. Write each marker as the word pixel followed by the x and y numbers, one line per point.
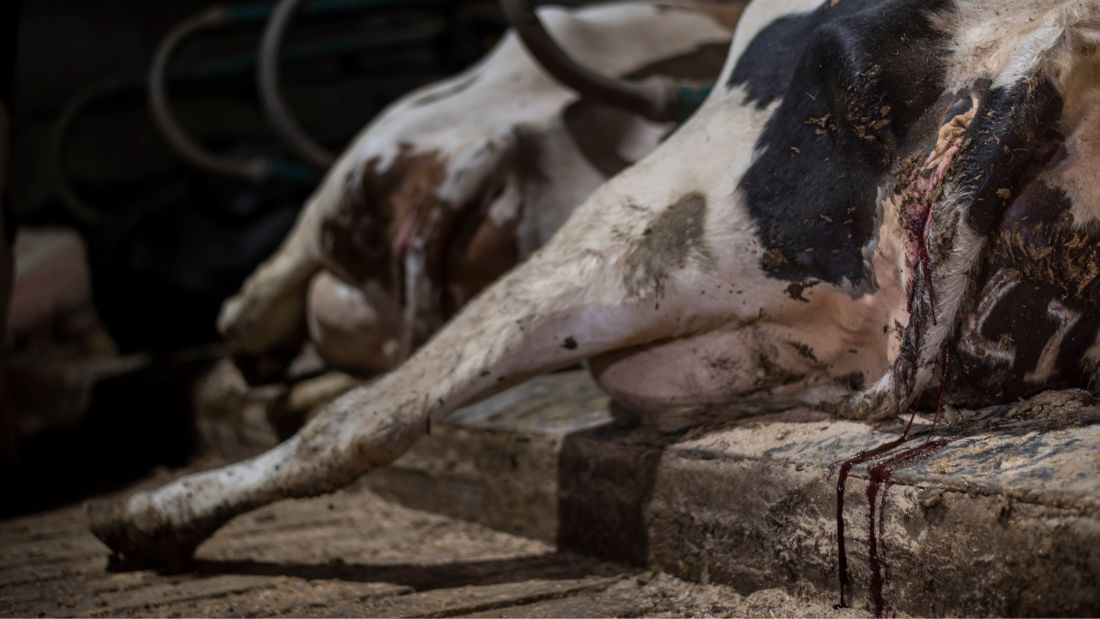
pixel 254 170
pixel 278 113
pixel 655 98
pixel 77 206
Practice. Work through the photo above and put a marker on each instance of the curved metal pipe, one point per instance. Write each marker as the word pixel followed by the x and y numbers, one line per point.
pixel 70 199
pixel 278 113
pixel 655 98
pixel 254 170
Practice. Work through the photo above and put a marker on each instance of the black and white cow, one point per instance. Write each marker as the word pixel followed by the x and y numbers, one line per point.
pixel 885 199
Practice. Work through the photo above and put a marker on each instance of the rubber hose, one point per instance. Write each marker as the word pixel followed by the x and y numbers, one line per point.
pixel 655 98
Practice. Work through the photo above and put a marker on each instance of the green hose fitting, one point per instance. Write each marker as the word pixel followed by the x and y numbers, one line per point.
pixel 689 99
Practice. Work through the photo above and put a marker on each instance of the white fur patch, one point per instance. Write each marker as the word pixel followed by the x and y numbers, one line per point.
pixel 1011 40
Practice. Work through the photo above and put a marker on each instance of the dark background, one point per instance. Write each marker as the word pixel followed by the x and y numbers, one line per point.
pixel 167 243
pixel 87 154
pixel 69 48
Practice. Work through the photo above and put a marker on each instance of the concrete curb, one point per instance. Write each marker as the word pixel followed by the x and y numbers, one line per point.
pixel 1002 520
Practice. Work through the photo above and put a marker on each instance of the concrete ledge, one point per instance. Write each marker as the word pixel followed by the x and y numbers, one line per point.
pixel 1003 520
pixel 497 462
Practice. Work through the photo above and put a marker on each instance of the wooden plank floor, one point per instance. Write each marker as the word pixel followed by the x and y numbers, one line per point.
pixel 349 554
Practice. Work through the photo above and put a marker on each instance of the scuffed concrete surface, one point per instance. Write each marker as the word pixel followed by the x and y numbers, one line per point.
pixel 1004 520
pixel 497 462
pixel 351 554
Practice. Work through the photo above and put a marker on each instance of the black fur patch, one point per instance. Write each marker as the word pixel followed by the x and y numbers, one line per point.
pixel 1022 321
pixel 1008 130
pixel 766 66
pixel 854 78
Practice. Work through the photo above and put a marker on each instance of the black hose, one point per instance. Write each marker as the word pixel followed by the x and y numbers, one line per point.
pixel 655 98
pixel 278 113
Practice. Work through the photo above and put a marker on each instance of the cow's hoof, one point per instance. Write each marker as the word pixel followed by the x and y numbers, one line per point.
pixel 871 404
pixel 140 542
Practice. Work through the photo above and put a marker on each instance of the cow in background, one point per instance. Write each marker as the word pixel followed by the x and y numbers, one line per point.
pixel 458 182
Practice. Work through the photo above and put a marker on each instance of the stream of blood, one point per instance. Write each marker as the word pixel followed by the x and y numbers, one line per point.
pixel 880 475
pixel 918 211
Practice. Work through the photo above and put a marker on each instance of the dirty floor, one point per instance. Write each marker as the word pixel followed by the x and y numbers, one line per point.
pixel 351 553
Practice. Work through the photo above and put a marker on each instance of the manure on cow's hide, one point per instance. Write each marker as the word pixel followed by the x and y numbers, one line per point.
pixel 795 289
pixel 672 238
pixel 805 351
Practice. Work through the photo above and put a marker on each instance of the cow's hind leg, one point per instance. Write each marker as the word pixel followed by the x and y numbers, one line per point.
pixel 565 304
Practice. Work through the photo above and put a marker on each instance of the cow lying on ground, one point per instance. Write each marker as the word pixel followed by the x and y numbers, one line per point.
pixel 452 186
pixel 884 200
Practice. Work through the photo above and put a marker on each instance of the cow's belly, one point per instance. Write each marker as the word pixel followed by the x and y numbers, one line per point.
pixel 759 366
